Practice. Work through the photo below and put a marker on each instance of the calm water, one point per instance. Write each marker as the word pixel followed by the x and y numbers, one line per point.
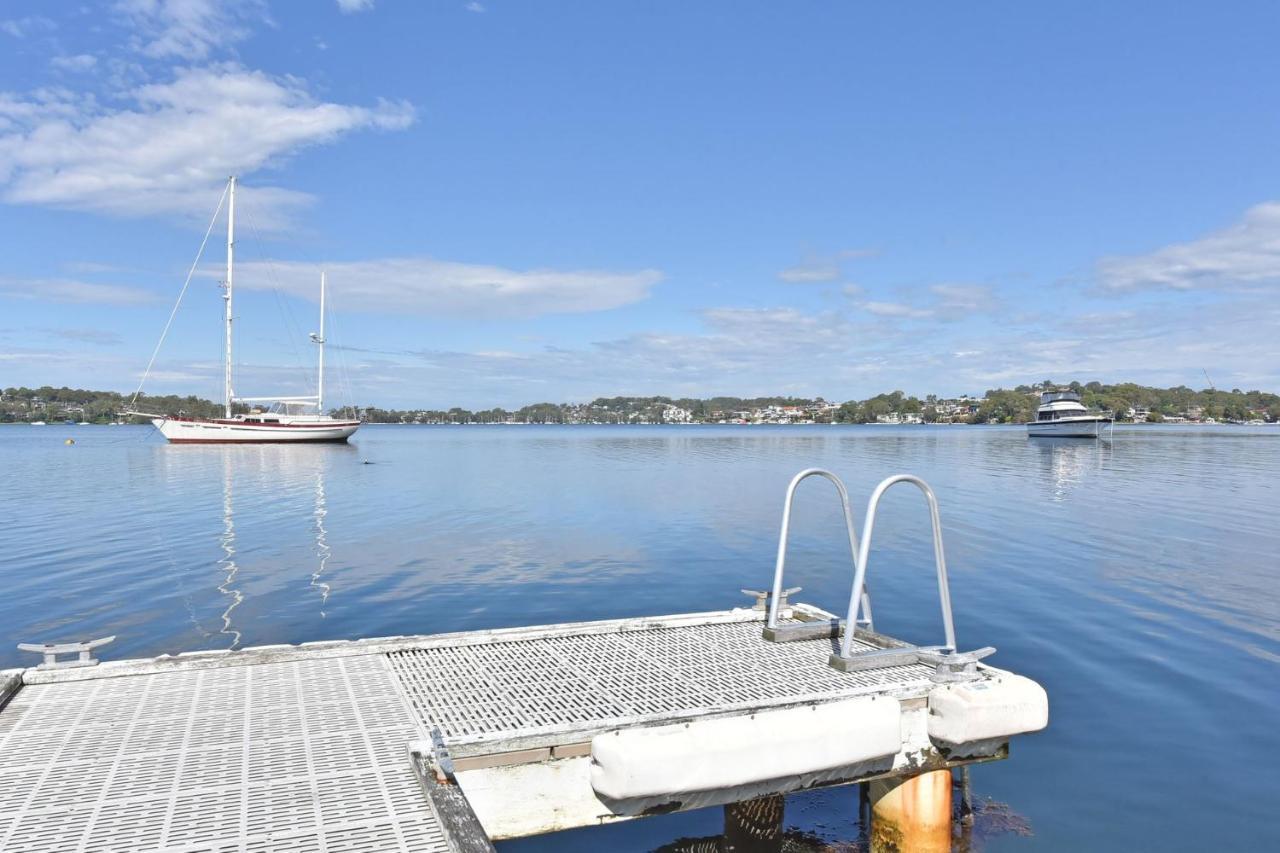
pixel 1136 579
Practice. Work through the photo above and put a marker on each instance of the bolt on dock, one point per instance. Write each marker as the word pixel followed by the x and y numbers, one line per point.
pixel 448 742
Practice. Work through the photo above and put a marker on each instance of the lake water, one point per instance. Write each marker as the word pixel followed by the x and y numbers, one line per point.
pixel 1137 579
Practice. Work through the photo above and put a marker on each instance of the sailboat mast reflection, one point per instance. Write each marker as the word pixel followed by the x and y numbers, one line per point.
pixel 323 551
pixel 228 564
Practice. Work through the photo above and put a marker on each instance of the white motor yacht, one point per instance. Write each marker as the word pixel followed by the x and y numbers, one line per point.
pixel 1062 415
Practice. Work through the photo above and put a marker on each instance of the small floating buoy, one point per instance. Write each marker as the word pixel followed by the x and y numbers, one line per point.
pixel 70 441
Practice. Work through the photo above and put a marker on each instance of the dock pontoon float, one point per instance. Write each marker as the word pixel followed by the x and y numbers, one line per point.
pixel 446 742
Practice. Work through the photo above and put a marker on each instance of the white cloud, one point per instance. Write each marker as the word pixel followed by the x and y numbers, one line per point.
pixel 953 301
pixel 173 144
pixel 1245 254
pixel 79 62
pixel 351 7
pixel 946 302
pixel 71 290
pixel 188 29
pixel 895 309
pixel 810 273
pixel 23 27
pixel 97 337
pixel 473 6
pixel 744 351
pixel 824 268
pixel 429 286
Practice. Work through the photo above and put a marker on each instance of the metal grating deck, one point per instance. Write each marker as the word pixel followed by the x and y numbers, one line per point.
pixel 497 691
pixel 298 756
pixel 303 748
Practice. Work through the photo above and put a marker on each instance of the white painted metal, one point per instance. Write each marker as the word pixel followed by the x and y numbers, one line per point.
pixel 227 292
pixel 780 563
pixel 726 752
pixel 297 756
pixel 319 341
pixel 939 557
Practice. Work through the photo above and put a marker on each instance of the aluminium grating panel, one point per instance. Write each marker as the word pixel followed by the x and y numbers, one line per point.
pixel 294 756
pixel 517 688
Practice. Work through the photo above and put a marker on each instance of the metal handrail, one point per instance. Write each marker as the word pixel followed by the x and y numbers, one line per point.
pixel 780 565
pixel 860 562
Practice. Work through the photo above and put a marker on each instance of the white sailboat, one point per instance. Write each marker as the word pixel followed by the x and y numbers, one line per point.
pixel 271 419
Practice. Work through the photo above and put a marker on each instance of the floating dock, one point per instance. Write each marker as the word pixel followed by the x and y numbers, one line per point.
pixel 446 742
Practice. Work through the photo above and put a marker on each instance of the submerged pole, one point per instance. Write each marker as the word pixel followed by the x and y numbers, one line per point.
pixel 754 826
pixel 912 813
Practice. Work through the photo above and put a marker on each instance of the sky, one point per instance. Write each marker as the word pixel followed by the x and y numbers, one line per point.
pixel 517 202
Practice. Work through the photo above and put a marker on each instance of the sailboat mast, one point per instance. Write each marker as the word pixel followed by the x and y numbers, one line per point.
pixel 231 249
pixel 320 378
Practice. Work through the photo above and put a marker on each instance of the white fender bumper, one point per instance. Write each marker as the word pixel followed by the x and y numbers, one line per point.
pixel 1000 706
pixel 726 752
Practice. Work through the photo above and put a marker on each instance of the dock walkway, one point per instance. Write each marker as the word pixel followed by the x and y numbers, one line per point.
pixel 307 747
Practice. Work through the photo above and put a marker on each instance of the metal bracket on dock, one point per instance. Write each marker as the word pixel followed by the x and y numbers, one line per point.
pixel 433 766
pixel 776 633
pixel 877 658
pixel 954 667
pixel 951 667
pixel 762 598
pixel 52 650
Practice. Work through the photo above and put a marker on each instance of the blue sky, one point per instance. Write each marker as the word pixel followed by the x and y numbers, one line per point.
pixel 552 201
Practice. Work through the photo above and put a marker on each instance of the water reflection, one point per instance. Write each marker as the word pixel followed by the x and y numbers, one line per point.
pixel 227 564
pixel 974 825
pixel 323 551
pixel 1068 460
pixel 267 493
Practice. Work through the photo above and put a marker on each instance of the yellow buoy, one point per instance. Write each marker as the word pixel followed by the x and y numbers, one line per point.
pixel 70 441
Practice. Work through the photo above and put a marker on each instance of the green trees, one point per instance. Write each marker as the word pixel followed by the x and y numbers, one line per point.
pixel 1000 405
pixel 1006 407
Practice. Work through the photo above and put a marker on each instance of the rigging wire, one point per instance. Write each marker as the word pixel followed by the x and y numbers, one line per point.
pixel 291 324
pixel 134 399
pixel 344 373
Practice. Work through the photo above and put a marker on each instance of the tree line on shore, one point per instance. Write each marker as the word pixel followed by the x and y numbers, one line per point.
pixel 995 406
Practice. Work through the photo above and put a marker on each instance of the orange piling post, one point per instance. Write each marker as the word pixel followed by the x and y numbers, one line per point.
pixel 912 814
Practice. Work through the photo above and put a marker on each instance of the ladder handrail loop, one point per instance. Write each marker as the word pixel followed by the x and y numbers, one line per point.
pixel 860 562
pixel 781 562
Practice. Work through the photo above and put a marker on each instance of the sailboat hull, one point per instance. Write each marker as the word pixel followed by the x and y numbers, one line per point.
pixel 196 431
